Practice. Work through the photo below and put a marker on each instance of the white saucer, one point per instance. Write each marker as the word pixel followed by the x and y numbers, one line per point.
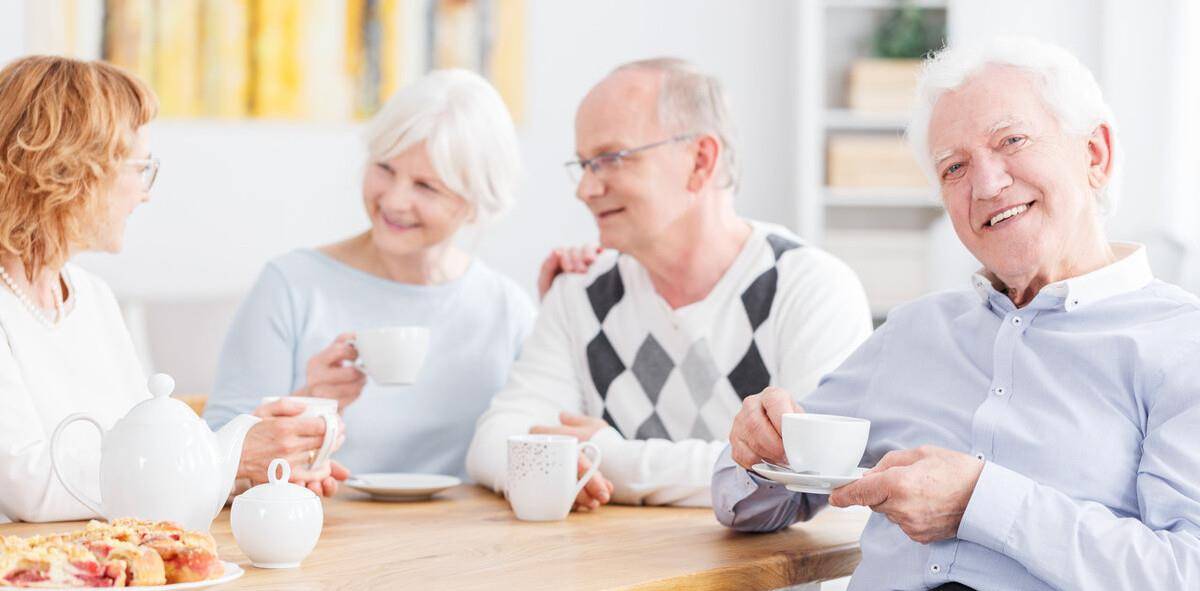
pixel 232 571
pixel 401 486
pixel 821 484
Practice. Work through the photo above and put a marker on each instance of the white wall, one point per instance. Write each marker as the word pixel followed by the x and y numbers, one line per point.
pixel 232 195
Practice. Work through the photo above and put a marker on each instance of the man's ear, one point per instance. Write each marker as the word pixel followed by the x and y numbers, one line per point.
pixel 1100 156
pixel 707 151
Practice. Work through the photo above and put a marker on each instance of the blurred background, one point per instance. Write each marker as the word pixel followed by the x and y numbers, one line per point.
pixel 263 100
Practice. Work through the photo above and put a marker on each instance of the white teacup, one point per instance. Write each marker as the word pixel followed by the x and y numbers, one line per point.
pixel 829 445
pixel 392 356
pixel 326 408
pixel 541 483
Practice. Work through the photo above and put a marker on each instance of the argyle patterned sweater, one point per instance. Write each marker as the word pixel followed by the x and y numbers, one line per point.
pixel 669 382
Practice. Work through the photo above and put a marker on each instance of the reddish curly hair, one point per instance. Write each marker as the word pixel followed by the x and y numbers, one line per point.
pixel 65 128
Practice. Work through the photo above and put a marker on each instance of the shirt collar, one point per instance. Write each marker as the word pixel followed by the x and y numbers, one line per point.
pixel 1131 271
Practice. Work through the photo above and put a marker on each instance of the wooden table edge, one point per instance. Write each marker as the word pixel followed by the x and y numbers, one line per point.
pixel 780 569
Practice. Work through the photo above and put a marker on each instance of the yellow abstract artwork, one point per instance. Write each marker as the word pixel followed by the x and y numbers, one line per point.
pixel 318 60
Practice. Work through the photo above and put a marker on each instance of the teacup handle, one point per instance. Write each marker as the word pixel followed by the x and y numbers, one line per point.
pixel 583 480
pixel 331 435
pixel 357 363
pixel 79 495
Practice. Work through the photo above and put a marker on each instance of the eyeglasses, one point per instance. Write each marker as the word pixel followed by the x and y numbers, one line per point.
pixel 610 161
pixel 148 170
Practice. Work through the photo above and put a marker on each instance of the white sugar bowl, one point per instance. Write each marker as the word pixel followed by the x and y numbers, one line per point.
pixel 277 524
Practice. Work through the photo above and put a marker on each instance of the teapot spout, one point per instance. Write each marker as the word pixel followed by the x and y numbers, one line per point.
pixel 230 440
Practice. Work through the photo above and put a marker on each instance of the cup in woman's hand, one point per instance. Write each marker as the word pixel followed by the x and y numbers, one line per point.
pixel 392 356
pixel 325 408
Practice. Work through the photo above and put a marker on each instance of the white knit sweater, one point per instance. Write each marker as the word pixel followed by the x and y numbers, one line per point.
pixel 669 382
pixel 86 363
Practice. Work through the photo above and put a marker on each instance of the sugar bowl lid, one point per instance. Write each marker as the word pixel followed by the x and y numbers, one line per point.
pixel 277 488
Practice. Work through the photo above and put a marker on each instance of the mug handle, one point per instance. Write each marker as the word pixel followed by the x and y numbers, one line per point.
pixel 79 495
pixel 331 435
pixel 583 480
pixel 357 363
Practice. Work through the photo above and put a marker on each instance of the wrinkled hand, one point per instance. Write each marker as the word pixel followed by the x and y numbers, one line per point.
pixel 757 432
pixel 282 433
pixel 924 490
pixel 570 259
pixel 578 426
pixel 330 375
pixel 598 491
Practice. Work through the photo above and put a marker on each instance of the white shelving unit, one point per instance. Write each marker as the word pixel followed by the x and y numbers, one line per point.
pixel 881 232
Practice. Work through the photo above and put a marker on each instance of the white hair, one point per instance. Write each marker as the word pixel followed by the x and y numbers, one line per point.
pixel 1066 86
pixel 691 101
pixel 468 134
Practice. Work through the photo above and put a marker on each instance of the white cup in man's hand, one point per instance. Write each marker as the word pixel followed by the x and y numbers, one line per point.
pixel 541 483
pixel 828 445
pixel 392 356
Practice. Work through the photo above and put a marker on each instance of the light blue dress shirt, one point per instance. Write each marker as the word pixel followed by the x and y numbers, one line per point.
pixel 1085 407
pixel 303 300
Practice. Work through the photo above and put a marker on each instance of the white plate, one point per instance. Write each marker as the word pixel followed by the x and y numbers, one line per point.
pixel 821 484
pixel 232 571
pixel 400 486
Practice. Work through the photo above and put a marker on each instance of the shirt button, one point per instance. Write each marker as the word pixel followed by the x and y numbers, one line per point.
pixel 999 391
pixel 979 457
pixel 935 569
pixel 1016 320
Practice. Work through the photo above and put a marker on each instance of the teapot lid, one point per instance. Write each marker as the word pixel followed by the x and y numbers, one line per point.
pixel 278 488
pixel 160 407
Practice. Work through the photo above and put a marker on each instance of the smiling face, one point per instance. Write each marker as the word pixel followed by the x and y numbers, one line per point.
pixel 635 203
pixel 411 210
pixel 1020 192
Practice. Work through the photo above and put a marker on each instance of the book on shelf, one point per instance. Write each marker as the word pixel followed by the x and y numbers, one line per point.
pixel 871 160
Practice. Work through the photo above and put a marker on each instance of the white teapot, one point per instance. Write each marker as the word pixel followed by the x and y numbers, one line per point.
pixel 161 461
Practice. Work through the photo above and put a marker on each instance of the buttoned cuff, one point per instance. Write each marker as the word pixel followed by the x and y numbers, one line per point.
pixel 994 507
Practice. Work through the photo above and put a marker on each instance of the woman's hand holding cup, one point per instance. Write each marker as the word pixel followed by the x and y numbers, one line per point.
pixel 284 433
pixel 331 373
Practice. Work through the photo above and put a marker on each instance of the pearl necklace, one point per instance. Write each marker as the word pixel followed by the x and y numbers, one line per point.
pixel 25 301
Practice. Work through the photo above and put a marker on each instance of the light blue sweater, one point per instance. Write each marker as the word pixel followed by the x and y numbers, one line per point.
pixel 304 299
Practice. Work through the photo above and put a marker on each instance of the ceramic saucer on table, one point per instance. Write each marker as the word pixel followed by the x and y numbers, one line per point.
pixel 398 486
pixel 821 484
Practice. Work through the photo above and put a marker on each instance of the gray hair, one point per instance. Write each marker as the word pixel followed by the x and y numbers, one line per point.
pixel 691 101
pixel 468 134
pixel 1067 88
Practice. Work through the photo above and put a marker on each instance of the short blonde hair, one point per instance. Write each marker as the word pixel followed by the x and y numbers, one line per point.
pixel 468 134
pixel 65 127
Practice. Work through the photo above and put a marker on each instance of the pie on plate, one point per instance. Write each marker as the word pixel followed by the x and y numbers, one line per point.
pixel 123 553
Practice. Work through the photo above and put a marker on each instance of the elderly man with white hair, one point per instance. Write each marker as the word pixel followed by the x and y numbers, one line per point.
pixel 649 354
pixel 1039 430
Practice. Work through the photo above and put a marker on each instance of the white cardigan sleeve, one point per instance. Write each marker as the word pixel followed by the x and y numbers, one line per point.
pixel 29 491
pixel 541 383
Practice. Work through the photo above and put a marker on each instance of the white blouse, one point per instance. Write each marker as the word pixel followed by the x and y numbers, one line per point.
pixel 85 363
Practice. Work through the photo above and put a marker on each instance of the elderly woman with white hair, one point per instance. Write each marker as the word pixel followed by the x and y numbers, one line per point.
pixel 443 156
pixel 1037 431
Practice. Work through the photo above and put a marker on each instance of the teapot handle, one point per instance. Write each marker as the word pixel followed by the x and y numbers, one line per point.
pixel 54 461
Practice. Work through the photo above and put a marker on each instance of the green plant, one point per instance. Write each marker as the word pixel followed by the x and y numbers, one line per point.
pixel 907 34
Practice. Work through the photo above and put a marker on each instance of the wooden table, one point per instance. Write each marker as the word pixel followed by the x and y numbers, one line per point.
pixel 467 538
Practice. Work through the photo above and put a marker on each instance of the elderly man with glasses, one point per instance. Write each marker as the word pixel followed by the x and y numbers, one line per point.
pixel 650 353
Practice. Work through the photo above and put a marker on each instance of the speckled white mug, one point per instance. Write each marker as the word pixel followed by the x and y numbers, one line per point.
pixel 541 484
